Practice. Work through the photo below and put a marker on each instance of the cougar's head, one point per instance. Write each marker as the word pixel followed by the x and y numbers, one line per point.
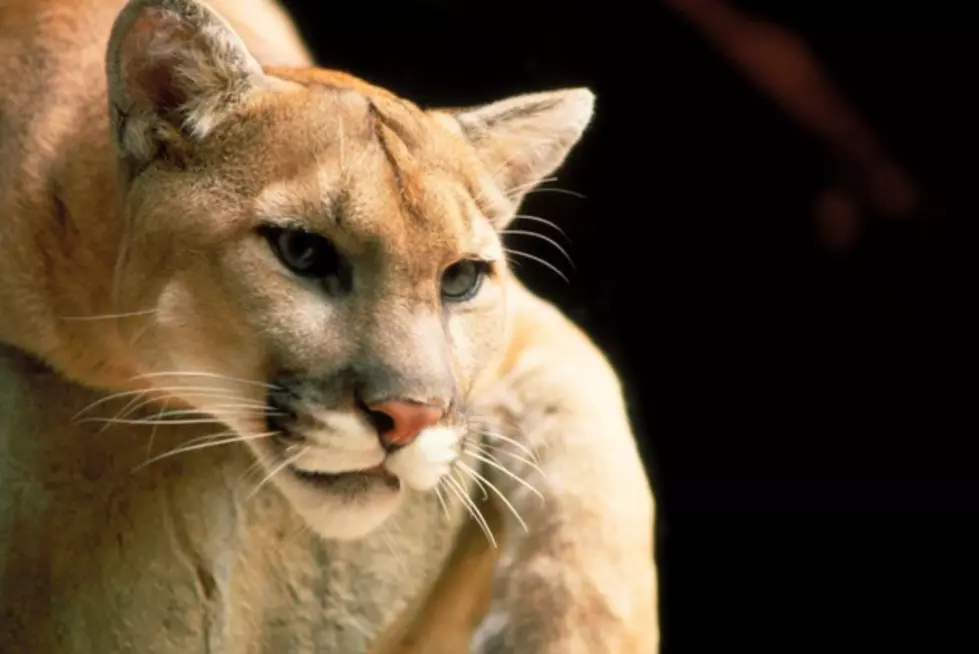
pixel 323 258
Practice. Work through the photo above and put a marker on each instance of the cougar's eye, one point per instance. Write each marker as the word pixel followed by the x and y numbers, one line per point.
pixel 304 253
pixel 461 280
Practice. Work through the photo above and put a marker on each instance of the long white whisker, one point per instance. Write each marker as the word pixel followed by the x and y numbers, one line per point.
pixel 217 410
pixel 158 389
pixel 223 434
pixel 394 554
pixel 255 466
pixel 502 469
pixel 506 439
pixel 543 262
pixel 276 470
pixel 526 232
pixel 111 316
pixel 552 189
pixel 520 187
pixel 211 375
pixel 211 437
pixel 108 398
pixel 479 484
pixel 476 477
pixel 149 444
pixel 457 489
pixel 438 494
pixel 122 413
pixel 202 446
pixel 524 460
pixel 213 421
pixel 163 417
pixel 185 396
pixel 543 221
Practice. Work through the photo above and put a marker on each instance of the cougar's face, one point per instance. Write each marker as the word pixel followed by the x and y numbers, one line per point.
pixel 343 294
pixel 322 258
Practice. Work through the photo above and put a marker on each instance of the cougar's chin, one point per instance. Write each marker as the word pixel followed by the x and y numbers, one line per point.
pixel 345 486
pixel 343 505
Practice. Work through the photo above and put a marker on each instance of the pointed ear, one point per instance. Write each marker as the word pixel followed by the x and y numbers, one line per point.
pixel 525 138
pixel 175 69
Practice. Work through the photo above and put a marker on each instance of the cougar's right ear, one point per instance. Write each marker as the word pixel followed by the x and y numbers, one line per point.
pixel 175 70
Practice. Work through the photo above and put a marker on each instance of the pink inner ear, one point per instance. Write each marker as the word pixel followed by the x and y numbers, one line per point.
pixel 150 55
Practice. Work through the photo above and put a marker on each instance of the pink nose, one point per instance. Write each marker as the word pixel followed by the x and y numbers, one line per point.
pixel 408 419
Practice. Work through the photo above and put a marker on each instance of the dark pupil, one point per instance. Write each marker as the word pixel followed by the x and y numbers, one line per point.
pixel 298 249
pixel 306 254
pixel 461 280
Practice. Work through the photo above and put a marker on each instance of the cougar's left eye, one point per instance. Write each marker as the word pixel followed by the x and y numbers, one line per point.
pixel 304 253
pixel 461 280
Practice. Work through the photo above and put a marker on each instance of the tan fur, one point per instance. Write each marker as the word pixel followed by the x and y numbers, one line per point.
pixel 144 150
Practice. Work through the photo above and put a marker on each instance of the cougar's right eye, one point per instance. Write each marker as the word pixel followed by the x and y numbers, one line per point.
pixel 304 253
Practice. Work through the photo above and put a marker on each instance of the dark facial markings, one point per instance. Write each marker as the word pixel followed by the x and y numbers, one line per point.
pixel 314 257
pixel 310 256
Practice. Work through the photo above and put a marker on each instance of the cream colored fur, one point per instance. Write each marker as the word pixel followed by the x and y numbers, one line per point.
pixel 146 150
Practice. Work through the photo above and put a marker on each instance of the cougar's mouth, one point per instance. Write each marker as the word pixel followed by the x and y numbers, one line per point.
pixel 353 479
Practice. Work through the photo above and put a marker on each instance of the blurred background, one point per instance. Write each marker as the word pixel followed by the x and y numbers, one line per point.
pixel 773 227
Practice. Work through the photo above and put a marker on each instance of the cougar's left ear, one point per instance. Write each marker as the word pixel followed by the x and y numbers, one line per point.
pixel 525 138
pixel 175 69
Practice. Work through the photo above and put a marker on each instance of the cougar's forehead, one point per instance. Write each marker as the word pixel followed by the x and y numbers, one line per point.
pixel 369 172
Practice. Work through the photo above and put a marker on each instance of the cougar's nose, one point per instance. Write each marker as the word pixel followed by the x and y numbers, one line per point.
pixel 399 422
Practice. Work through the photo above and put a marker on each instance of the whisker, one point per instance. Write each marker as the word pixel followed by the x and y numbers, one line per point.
pixel 152 422
pixel 484 449
pixel 479 484
pixel 110 316
pixel 225 434
pixel 210 437
pixel 149 444
pixel 520 187
pixel 506 439
pixel 254 467
pixel 393 550
pixel 477 477
pixel 202 394
pixel 472 449
pixel 211 375
pixel 123 412
pixel 526 232
pixel 441 498
pixel 544 221
pixel 163 417
pixel 457 489
pixel 502 469
pixel 553 189
pixel 108 398
pixel 201 446
pixel 158 389
pixel 543 262
pixel 219 409
pixel 276 470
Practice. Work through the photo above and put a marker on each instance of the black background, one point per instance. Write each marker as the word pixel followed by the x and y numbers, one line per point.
pixel 807 416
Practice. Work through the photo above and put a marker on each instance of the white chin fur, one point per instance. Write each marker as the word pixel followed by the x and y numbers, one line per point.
pixel 419 467
pixel 422 464
pixel 338 519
